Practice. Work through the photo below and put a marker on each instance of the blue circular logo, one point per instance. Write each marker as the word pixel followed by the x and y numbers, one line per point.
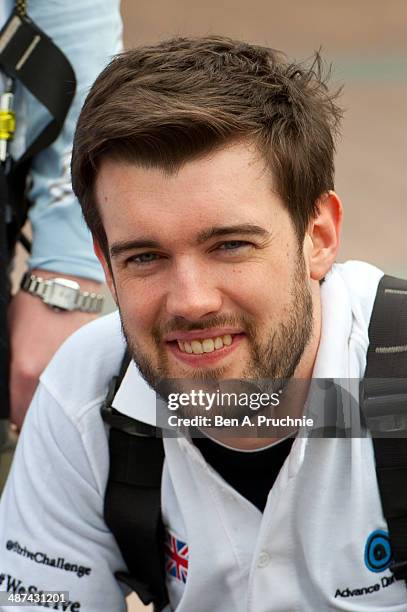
pixel 378 555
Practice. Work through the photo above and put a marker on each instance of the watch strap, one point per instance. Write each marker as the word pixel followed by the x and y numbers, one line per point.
pixel 84 301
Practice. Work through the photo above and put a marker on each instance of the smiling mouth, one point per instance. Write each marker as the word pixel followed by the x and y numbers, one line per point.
pixel 195 348
pixel 205 345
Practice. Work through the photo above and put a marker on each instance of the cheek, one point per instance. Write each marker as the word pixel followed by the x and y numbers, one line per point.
pixel 140 303
pixel 263 290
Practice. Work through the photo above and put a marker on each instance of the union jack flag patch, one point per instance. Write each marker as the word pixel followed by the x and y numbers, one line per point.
pixel 176 557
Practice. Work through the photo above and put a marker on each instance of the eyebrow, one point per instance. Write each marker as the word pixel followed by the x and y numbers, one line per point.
pixel 245 229
pixel 120 247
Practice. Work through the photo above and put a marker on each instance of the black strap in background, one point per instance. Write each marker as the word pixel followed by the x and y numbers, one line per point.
pixel 385 397
pixel 4 301
pixel 27 55
pixel 133 499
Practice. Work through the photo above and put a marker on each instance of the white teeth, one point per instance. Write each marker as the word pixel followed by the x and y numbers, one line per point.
pixel 218 343
pixel 188 347
pixel 207 345
pixel 197 348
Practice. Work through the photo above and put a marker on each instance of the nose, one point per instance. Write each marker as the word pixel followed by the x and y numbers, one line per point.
pixel 193 293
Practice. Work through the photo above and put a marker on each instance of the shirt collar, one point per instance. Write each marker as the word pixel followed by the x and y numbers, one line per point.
pixel 336 326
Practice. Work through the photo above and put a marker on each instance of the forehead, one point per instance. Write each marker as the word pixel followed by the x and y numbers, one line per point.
pixel 232 184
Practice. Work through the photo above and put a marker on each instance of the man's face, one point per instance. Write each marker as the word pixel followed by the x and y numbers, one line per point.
pixel 206 268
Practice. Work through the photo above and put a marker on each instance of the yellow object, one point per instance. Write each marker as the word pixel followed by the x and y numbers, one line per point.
pixel 7 124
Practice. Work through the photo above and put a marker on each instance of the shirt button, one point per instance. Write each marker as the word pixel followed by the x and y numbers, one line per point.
pixel 263 560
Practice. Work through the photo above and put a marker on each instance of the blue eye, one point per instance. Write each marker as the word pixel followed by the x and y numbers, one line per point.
pixel 144 258
pixel 232 245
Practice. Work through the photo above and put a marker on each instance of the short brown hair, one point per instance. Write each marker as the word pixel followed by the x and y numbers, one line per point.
pixel 165 104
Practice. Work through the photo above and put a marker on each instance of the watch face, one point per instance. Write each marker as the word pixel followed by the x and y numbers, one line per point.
pixel 62 294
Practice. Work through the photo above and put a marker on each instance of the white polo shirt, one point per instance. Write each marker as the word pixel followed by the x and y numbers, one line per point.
pixel 311 550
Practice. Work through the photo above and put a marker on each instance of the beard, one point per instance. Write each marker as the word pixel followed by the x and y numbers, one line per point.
pixel 271 362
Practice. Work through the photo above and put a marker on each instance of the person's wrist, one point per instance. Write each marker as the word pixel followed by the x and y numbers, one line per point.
pixel 86 284
pixel 63 292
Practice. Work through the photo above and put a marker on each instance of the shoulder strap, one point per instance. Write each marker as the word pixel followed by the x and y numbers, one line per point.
pixel 27 54
pixel 133 499
pixel 30 56
pixel 4 300
pixel 384 405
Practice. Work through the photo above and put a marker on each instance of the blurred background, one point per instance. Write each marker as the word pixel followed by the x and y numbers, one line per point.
pixel 366 42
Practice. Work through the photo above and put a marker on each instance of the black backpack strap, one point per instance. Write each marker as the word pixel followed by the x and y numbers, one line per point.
pixel 384 405
pixel 28 55
pixel 4 301
pixel 133 499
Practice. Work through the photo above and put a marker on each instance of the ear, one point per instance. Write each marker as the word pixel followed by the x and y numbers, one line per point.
pixel 323 235
pixel 106 268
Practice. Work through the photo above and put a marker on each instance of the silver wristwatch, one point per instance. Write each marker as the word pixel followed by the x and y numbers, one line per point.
pixel 62 293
